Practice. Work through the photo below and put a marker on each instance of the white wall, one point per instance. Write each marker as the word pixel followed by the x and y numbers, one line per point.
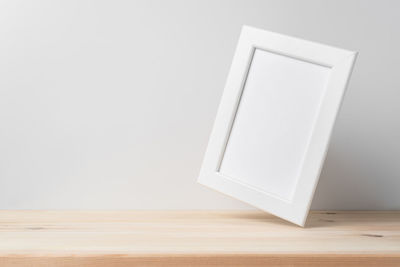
pixel 109 104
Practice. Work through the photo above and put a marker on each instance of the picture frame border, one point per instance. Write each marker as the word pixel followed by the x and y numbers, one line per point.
pixel 341 63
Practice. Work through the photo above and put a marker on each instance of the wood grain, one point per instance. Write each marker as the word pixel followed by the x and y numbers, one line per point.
pixel 197 238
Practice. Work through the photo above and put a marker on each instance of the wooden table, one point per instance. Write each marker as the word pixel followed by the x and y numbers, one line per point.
pixel 197 238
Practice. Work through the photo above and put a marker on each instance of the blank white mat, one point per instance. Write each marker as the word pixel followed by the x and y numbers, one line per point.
pixel 274 122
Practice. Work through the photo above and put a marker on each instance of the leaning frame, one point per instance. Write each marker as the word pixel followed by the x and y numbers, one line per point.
pixel 340 63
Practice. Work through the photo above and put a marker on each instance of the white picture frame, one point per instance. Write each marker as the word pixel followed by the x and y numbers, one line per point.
pixel 274 122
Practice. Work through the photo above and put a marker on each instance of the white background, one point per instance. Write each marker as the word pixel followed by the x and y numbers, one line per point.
pixel 109 104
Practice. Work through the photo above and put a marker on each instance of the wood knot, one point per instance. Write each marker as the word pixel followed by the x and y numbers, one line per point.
pixel 372 235
pixel 34 228
pixel 326 220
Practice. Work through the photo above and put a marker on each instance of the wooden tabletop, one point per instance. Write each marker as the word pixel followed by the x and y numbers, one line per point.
pixel 197 238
